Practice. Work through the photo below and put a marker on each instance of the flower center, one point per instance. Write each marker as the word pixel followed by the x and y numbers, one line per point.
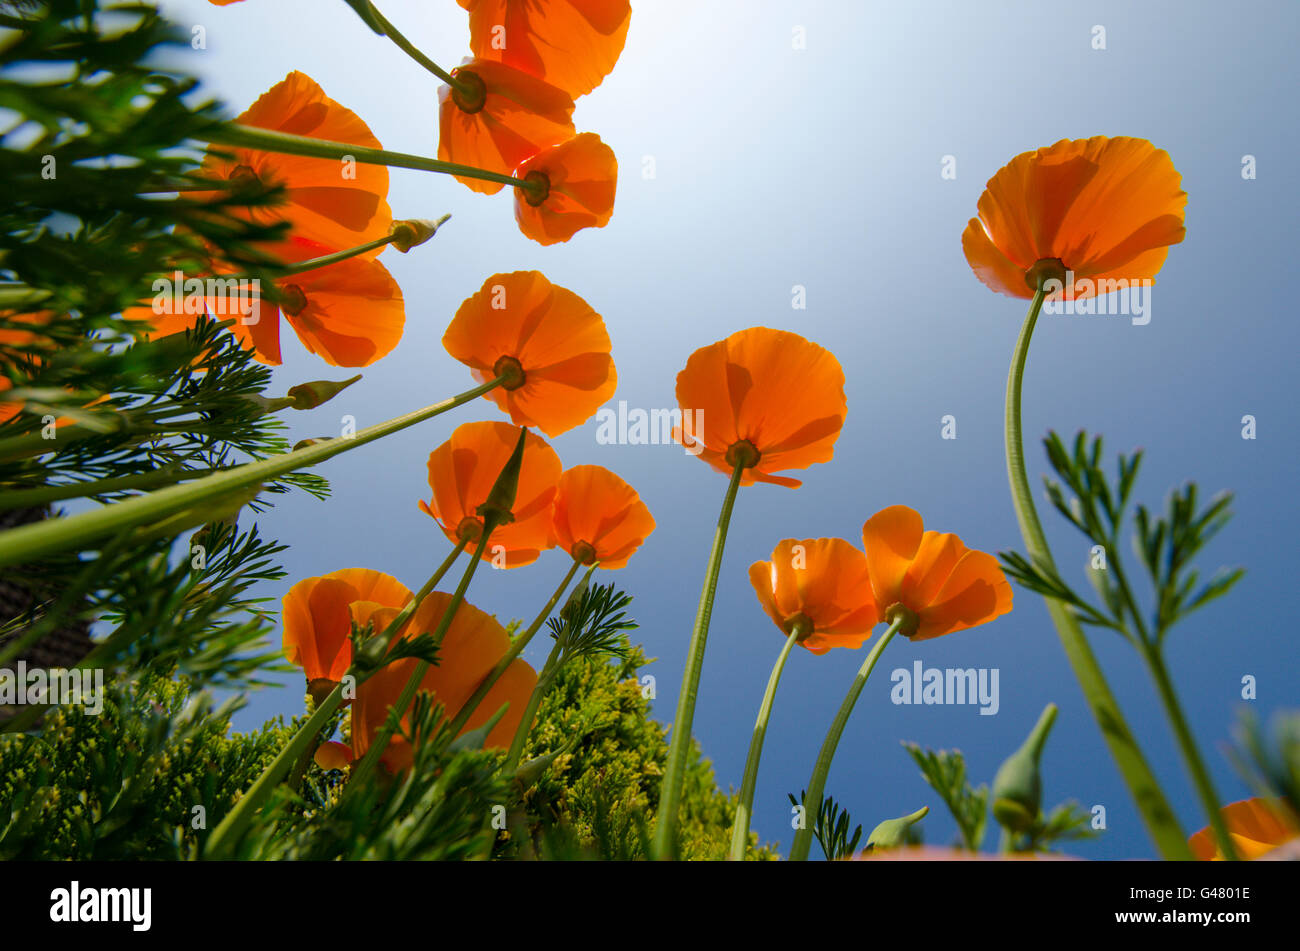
pixel 800 625
pixel 743 453
pixel 243 176
pixel 470 92
pixel 469 529
pixel 584 553
pixel 294 301
pixel 899 611
pixel 1047 269
pixel 510 368
pixel 538 189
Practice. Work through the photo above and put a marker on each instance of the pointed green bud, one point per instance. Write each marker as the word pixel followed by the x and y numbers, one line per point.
pixel 892 833
pixel 413 232
pixel 311 441
pixel 501 500
pixel 474 739
pixel 1018 787
pixel 530 772
pixel 313 394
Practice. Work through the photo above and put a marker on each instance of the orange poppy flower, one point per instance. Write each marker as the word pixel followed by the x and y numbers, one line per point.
pixel 472 646
pixel 1104 209
pixel 335 205
pixel 506 117
pixel 576 181
pixel 546 335
pixel 822 582
pixel 12 342
pixel 317 622
pixel 572 44
pixel 1254 826
pixel 944 584
pixel 765 392
pixel 350 314
pixel 599 517
pixel 462 472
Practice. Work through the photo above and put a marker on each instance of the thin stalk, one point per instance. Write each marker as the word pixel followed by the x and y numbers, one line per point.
pixel 411 50
pixel 745 808
pixel 268 140
pixel 26 498
pixel 544 681
pixel 17 295
pixel 220 844
pixel 516 648
pixel 670 791
pixel 1191 754
pixel 812 800
pixel 1156 813
pixel 29 542
pixel 380 741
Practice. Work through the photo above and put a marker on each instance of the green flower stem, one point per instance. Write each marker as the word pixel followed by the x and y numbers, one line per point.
pixel 379 743
pixel 812 799
pixel 267 140
pixel 664 845
pixel 412 51
pixel 18 295
pixel 516 648
pixel 226 835
pixel 1159 818
pixel 745 808
pixel 544 681
pixel 29 542
pixel 1191 754
pixel 26 498
pixel 325 260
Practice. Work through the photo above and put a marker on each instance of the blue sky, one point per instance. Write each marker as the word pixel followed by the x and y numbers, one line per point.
pixel 774 167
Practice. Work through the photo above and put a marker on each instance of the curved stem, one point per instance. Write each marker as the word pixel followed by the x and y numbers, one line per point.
pixel 664 845
pixel 29 542
pixel 1191 754
pixel 224 837
pixel 411 50
pixel 812 799
pixel 745 807
pixel 516 648
pixel 1159 818
pixel 544 682
pixel 380 741
pixel 268 140
pixel 43 495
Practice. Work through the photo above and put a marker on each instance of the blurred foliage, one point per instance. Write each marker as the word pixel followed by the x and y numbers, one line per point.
pixel 945 772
